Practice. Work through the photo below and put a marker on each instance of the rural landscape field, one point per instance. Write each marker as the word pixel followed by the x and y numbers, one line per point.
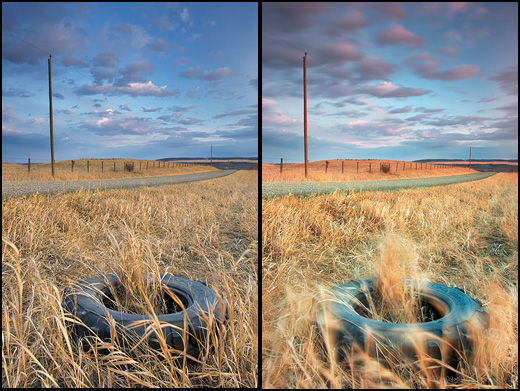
pixel 463 235
pixel 357 170
pixel 204 231
pixel 90 169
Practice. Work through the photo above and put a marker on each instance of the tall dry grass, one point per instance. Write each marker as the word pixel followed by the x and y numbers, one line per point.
pixel 202 231
pixel 97 169
pixel 463 235
pixel 357 170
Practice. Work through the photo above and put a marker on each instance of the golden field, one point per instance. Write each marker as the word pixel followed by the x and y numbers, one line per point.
pixel 463 235
pixel 357 170
pixel 205 231
pixel 98 169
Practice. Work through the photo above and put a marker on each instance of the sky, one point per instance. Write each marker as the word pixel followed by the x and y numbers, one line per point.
pixel 129 80
pixel 403 81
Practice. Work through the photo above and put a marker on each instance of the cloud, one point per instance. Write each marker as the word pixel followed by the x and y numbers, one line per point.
pixel 272 116
pixel 390 90
pixel 158 46
pixel 352 21
pixel 151 109
pixel 199 73
pixel 427 67
pixel 290 17
pixel 133 89
pixel 456 120
pixel 191 93
pixel 373 68
pixel 185 15
pixel 397 34
pixel 405 109
pixel 134 72
pixel 507 79
pixel 147 89
pixel 105 59
pixel 390 9
pixel 121 125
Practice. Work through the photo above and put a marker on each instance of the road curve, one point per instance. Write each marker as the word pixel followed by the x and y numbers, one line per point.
pixel 271 190
pixel 13 189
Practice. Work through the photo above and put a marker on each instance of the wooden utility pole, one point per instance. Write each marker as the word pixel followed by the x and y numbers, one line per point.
pixel 50 111
pixel 305 109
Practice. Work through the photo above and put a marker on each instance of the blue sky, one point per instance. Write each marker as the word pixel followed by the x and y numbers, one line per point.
pixel 390 80
pixel 130 80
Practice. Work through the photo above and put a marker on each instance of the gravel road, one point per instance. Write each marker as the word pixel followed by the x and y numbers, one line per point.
pixel 271 190
pixel 11 189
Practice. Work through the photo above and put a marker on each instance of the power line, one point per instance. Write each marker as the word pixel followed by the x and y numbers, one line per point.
pixel 30 44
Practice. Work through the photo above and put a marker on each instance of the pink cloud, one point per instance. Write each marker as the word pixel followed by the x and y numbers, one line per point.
pixel 357 123
pixel 268 103
pixel 339 52
pixel 390 90
pixel 352 21
pixel 391 9
pixel 397 34
pixel 272 116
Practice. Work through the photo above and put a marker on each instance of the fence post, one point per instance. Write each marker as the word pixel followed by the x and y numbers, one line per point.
pixel 114 166
pixel 370 167
pixel 88 168
pixel 357 167
pixel 281 165
pixel 379 167
pixel 342 166
pixel 396 166
pixel 29 166
pixel 140 163
pixel 72 166
pixel 326 166
pixel 101 165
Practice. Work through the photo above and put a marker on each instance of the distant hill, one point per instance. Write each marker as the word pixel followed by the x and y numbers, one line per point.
pixel 484 165
pixel 466 160
pixel 222 163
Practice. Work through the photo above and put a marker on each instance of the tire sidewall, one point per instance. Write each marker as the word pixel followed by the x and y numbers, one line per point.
pixel 85 301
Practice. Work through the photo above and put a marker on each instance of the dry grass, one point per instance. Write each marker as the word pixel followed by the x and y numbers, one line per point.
pixel 98 169
pixel 202 231
pixel 462 235
pixel 356 170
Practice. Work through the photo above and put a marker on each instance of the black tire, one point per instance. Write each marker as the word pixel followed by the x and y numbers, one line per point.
pixel 85 301
pixel 456 319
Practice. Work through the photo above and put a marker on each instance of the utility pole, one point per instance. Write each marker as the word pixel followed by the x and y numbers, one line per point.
pixel 211 161
pixel 50 111
pixel 469 157
pixel 305 109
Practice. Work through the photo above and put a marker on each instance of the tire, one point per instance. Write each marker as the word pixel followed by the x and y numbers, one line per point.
pixel 456 320
pixel 85 301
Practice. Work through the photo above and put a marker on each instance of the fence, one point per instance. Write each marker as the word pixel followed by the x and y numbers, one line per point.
pixel 118 165
pixel 372 167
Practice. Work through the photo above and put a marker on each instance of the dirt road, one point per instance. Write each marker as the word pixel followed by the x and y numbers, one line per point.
pixel 11 189
pixel 270 190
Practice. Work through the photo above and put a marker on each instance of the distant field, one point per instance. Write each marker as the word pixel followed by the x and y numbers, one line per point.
pixel 98 169
pixel 357 170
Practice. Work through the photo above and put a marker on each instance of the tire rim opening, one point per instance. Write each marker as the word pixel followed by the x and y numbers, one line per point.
pixel 165 304
pixel 420 309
